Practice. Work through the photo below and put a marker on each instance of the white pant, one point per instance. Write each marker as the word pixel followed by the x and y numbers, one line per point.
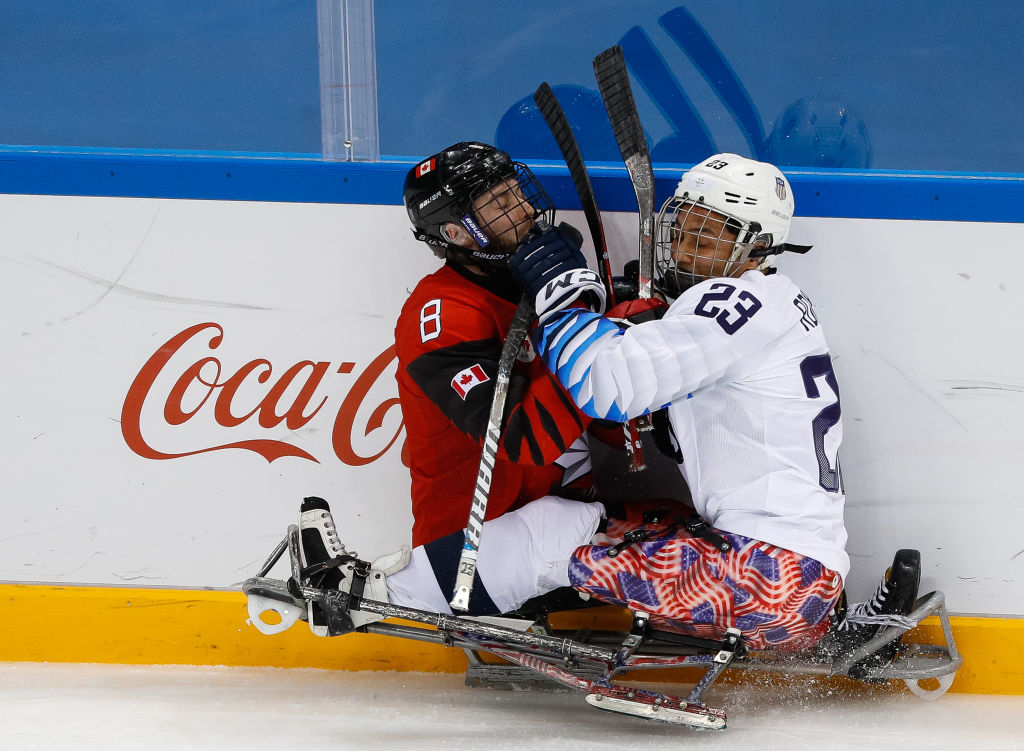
pixel 523 553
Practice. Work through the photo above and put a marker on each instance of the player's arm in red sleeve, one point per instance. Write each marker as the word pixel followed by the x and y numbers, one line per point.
pixel 457 372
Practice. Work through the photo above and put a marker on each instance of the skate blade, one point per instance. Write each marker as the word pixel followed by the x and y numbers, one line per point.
pixel 674 713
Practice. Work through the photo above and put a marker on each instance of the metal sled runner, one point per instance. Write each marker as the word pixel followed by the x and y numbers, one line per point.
pixel 589 661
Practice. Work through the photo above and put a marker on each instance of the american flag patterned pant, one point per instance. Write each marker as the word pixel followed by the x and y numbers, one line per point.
pixel 778 599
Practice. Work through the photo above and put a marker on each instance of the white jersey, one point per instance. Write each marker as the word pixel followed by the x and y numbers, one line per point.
pixel 745 372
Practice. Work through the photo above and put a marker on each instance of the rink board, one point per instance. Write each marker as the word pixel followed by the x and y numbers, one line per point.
pixel 189 350
pixel 180 373
pixel 194 627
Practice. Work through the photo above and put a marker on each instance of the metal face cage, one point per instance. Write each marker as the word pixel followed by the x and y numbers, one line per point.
pixel 697 242
pixel 501 213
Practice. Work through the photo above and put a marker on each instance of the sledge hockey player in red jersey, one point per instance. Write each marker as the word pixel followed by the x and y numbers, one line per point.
pixel 473 206
pixel 741 365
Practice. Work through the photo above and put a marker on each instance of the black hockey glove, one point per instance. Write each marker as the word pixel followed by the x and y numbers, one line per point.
pixel 552 268
pixel 627 286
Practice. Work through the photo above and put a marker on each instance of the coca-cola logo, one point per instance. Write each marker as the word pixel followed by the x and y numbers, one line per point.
pixel 184 392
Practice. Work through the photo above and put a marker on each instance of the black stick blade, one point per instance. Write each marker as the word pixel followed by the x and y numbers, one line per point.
pixel 613 81
pixel 559 126
pixel 561 129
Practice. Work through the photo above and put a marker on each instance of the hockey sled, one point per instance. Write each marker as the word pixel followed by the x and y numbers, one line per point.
pixel 539 656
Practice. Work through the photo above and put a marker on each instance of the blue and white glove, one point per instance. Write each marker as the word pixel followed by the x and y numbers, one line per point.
pixel 551 267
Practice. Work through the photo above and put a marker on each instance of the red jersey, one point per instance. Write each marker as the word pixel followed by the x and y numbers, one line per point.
pixel 448 339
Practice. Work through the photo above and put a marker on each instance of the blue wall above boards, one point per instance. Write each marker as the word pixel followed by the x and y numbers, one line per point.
pixel 871 84
pixel 865 85
pixel 875 194
pixel 160 74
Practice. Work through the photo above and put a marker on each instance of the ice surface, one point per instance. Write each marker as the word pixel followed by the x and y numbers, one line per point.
pixel 89 707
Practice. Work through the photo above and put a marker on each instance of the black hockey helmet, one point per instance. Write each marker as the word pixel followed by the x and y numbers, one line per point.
pixel 479 188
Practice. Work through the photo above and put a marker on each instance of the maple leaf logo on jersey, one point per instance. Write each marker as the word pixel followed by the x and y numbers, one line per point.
pixel 466 379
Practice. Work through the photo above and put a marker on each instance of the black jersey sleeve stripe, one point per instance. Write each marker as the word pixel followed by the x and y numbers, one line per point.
pixel 434 372
pixel 520 430
pixel 569 405
pixel 550 426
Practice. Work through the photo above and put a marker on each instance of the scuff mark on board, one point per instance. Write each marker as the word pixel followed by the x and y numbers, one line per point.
pixel 115 286
pixel 111 285
pixel 983 386
pixel 915 386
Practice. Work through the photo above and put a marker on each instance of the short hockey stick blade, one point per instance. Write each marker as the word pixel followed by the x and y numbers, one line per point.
pixel 634 446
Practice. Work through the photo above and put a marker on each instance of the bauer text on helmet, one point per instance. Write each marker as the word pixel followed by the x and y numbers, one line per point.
pixel 473 204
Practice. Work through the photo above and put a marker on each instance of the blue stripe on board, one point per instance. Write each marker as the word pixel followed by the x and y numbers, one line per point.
pixel 871 194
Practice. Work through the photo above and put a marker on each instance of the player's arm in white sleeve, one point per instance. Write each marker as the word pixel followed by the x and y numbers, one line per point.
pixel 617 374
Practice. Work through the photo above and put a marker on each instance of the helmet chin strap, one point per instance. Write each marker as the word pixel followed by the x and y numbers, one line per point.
pixel 466 251
pixel 776 250
pixel 477 234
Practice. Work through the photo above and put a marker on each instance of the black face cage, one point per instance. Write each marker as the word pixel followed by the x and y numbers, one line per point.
pixel 702 239
pixel 499 208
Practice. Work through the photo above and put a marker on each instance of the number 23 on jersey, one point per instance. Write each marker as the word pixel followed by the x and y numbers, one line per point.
pixel 729 309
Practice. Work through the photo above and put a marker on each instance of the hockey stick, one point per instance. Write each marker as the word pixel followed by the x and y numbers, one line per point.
pixel 661 85
pixel 613 81
pixel 560 128
pixel 517 331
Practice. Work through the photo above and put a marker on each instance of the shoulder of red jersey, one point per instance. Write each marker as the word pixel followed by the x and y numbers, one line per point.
pixel 446 308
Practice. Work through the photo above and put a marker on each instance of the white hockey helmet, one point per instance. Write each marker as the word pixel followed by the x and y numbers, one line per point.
pixel 756 202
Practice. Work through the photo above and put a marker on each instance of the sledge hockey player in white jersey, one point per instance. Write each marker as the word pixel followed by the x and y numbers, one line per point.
pixel 740 363
pixel 742 367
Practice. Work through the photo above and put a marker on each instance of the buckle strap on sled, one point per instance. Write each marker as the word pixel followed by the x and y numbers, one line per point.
pixel 700 528
pixel 314 569
pixel 360 571
pixel 633 535
pixel 695 526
